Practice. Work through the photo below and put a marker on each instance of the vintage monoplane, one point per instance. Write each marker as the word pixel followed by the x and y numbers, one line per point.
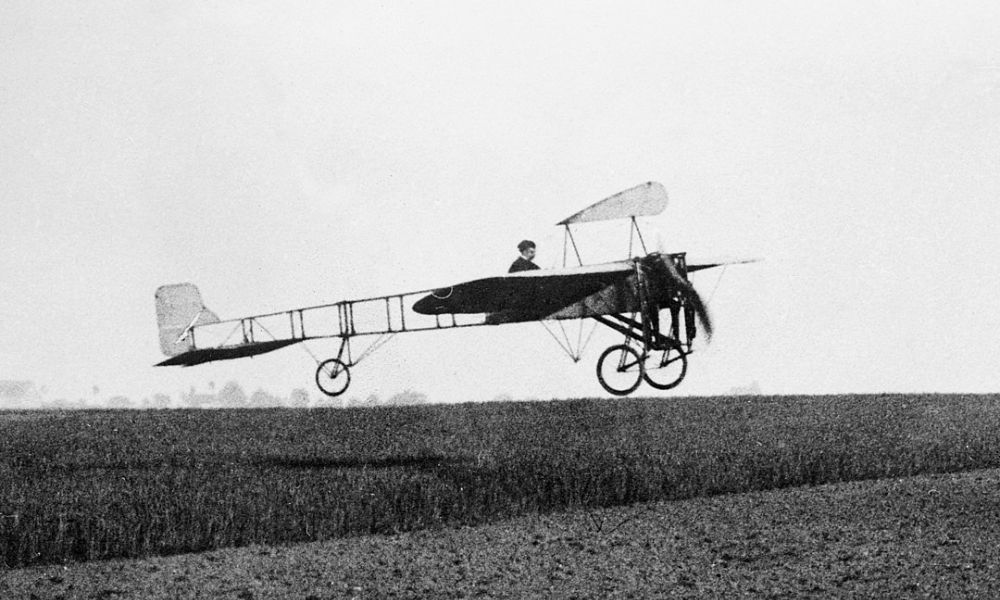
pixel 627 296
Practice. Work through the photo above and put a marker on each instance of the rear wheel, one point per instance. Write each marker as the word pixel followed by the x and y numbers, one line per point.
pixel 665 369
pixel 332 377
pixel 619 369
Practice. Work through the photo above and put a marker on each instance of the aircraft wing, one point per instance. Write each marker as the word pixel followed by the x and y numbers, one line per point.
pixel 691 268
pixel 524 296
pixel 641 201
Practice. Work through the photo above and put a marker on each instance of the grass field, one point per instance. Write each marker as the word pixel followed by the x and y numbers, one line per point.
pixel 102 484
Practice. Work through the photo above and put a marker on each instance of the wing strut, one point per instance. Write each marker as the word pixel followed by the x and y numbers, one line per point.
pixel 567 240
pixel 632 232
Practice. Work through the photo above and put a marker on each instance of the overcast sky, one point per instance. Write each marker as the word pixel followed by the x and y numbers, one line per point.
pixel 285 154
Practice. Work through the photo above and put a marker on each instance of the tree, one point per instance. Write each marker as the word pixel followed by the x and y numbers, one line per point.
pixel 63 404
pixel 118 402
pixel 371 400
pixel 299 398
pixel 232 395
pixel 19 394
pixel 262 399
pixel 408 398
pixel 158 401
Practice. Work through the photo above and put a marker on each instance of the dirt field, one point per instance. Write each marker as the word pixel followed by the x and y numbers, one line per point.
pixel 932 536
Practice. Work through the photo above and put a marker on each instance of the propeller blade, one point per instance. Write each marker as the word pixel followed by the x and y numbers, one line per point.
pixel 700 309
pixel 686 290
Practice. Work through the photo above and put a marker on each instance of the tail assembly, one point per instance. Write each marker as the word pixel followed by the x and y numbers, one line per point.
pixel 179 310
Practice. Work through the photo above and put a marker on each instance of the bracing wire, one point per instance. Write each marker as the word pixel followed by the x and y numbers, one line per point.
pixel 717 282
pixel 311 353
pixel 579 339
pixel 566 344
pixel 569 344
pixel 264 329
pixel 237 326
pixel 304 346
pixel 593 328
pixel 568 351
pixel 378 343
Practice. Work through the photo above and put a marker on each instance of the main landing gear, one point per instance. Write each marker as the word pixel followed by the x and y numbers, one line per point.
pixel 621 368
pixel 657 356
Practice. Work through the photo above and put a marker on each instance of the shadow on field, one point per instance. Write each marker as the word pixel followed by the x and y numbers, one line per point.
pixel 428 462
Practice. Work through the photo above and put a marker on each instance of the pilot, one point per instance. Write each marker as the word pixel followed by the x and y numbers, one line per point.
pixel 523 262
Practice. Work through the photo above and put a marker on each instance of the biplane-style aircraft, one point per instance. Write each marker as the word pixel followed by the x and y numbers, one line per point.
pixel 627 296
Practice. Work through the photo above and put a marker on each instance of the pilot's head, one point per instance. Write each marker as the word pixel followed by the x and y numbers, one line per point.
pixel 527 249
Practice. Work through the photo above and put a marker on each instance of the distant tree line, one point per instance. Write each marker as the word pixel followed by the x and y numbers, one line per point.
pixel 24 395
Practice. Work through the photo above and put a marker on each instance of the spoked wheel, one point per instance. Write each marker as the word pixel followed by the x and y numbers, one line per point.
pixel 619 369
pixel 332 377
pixel 664 369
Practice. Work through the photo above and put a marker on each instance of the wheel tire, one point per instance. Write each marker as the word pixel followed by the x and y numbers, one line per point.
pixel 624 360
pixel 333 377
pixel 665 369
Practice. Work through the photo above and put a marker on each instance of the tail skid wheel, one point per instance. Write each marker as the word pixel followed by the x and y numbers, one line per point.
pixel 665 369
pixel 619 369
pixel 332 377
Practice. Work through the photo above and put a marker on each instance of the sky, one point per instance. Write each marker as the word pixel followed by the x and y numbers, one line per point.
pixel 288 154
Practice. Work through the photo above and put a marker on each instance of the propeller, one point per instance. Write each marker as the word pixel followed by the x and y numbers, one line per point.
pixel 661 265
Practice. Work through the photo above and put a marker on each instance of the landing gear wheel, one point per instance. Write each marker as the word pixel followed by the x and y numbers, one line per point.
pixel 665 369
pixel 619 369
pixel 332 377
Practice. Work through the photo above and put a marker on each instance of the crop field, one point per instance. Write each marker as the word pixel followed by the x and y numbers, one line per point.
pixel 101 484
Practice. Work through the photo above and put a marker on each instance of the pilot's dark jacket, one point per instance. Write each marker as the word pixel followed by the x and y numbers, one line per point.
pixel 522 264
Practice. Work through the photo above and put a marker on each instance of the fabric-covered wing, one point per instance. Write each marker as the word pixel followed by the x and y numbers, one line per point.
pixel 521 296
pixel 641 201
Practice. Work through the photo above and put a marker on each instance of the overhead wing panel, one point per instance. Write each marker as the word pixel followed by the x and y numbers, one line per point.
pixel 641 201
